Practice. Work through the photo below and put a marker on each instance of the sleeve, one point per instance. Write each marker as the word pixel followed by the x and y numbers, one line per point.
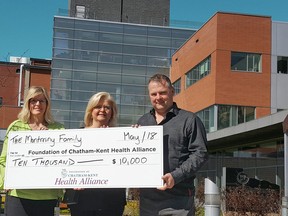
pixel 197 152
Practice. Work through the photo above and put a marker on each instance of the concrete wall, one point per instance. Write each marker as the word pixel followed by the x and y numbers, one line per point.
pixel 279 82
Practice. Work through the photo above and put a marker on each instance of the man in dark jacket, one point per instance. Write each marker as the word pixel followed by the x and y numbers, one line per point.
pixel 185 152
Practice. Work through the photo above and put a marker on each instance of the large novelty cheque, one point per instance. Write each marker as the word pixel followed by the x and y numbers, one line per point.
pixel 118 157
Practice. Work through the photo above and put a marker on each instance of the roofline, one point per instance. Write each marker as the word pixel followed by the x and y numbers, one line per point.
pixel 276 118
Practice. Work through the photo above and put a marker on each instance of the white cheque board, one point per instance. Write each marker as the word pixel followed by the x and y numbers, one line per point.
pixel 118 157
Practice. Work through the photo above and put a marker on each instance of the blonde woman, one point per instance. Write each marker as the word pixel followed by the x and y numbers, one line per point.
pixel 35 115
pixel 101 111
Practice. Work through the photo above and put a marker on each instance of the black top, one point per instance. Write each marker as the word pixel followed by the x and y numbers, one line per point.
pixel 184 149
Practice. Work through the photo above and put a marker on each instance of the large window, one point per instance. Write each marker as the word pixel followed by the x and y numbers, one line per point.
pixel 91 56
pixel 207 117
pixel 198 72
pixel 225 116
pixel 282 64
pixel 245 62
pixel 233 115
pixel 177 86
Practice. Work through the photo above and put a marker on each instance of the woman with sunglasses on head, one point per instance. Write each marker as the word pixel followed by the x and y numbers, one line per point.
pixel 101 112
pixel 35 115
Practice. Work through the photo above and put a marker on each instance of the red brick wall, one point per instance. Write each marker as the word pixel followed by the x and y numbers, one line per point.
pixel 222 34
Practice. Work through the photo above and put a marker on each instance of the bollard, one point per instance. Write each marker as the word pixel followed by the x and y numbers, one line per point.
pixel 212 198
pixel 284 206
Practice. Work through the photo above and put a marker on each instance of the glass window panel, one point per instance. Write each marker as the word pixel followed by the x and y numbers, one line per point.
pixel 128 109
pixel 241 114
pixel 60 104
pixel 78 105
pixel 134 99
pixel 129 69
pixel 267 173
pixel 134 79
pixel 110 58
pixel 127 89
pixel 106 47
pixel 177 86
pixel 211 120
pixel 111 27
pixel 82 85
pixel 60 94
pixel 153 70
pixel 84 25
pixel 60 114
pixel 63 23
pixel 132 110
pixel 198 72
pixel 66 64
pixel 223 116
pixel 282 64
pixel 111 68
pixel 135 30
pixel 63 43
pixel 152 51
pixel 137 40
pixel 163 32
pixel 84 65
pixel 60 84
pixel 127 120
pixel 158 62
pixel 250 59
pixel 86 35
pixel 81 75
pixel 82 95
pixel 176 43
pixel 114 38
pixel 257 63
pixel 111 88
pixel 137 50
pixel 160 42
pixel 61 73
pixel 64 33
pixel 111 78
pixel 78 116
pixel 238 61
pixel 234 115
pixel 85 55
pixel 136 60
pixel 188 78
pixel 62 53
pixel 177 33
pixel 250 114
pixel 268 151
pixel 86 45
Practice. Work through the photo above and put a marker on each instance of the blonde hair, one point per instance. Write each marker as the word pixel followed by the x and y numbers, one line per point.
pixel 94 101
pixel 32 92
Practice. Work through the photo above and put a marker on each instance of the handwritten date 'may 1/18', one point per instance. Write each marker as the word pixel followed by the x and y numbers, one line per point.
pixel 139 139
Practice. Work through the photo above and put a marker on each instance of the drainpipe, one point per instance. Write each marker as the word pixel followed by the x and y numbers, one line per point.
pixel 212 198
pixel 285 198
pixel 20 84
